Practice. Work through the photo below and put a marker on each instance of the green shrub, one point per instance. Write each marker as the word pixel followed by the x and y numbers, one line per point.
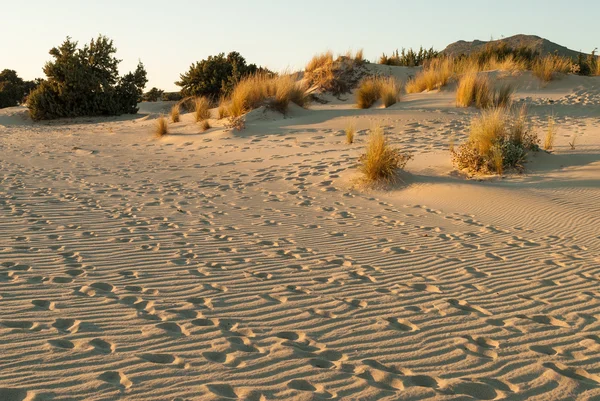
pixel 153 95
pixel 13 89
pixel 216 76
pixel 85 82
pixel 409 58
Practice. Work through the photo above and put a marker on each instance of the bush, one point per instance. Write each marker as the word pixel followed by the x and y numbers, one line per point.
pixel 171 97
pixel 390 91
pixel 475 89
pixel 13 89
pixel 498 141
pixel 216 76
pixel 85 82
pixel 153 95
pixel 381 162
pixel 409 58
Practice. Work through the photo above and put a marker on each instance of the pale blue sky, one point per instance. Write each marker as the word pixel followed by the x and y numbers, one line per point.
pixel 169 35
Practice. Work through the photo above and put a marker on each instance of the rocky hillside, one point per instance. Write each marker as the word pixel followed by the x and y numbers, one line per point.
pixel 543 46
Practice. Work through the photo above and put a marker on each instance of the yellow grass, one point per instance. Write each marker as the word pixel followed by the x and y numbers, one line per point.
pixel 550 134
pixel 350 134
pixel 258 90
pixel 549 67
pixel 381 162
pixel 162 127
pixel 368 92
pixel 475 89
pixel 205 125
pixel 175 113
pixel 487 128
pixel 222 109
pixel 390 91
pixel 359 56
pixel 319 61
pixel 201 108
pixel 434 75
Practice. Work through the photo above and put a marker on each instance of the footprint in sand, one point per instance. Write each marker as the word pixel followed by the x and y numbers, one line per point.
pixel 305 385
pixel 115 378
pixel 465 307
pixel 173 329
pixel 578 374
pixel 16 394
pixel 61 343
pixel 66 325
pixel 401 324
pixel 164 359
pixel 102 346
pixel 44 304
pixel 547 320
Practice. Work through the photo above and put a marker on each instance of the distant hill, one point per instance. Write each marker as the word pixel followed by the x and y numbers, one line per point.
pixel 541 45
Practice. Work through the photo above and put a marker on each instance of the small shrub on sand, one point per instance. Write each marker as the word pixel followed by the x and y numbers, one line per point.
pixel 350 134
pixel 498 141
pixel 222 109
pixel 338 76
pixel 205 125
pixel 381 162
pixel 162 127
pixel 550 134
pixel 175 113
pixel 436 73
pixel 368 92
pixel 549 67
pixel 503 96
pixel 201 108
pixel 237 123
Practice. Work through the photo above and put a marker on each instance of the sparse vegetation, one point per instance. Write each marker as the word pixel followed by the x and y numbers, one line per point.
pixel 372 89
pixel 436 73
pixel 162 127
pixel 263 90
pixel 201 108
pixel 550 134
pixel 205 125
pixel 216 76
pixel 350 134
pixel 86 82
pixel 475 89
pixel 498 141
pixel 338 76
pixel 549 67
pixel 175 113
pixel 409 58
pixel 381 162
pixel 222 109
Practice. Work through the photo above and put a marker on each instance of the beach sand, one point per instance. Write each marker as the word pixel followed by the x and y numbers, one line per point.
pixel 247 265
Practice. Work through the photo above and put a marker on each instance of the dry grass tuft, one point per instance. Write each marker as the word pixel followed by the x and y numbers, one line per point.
pixel 201 108
pixel 205 125
pixel 338 76
pixel 372 89
pixel 258 90
pixel 435 74
pixel 162 127
pixel 498 141
pixel 549 67
pixel 475 89
pixel 381 162
pixel 175 113
pixel 550 134
pixel 350 130
pixel 222 109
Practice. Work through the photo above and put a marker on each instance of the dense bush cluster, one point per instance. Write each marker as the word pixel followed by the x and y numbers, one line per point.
pixel 409 58
pixel 216 76
pixel 13 89
pixel 86 82
pixel 498 141
pixel 153 95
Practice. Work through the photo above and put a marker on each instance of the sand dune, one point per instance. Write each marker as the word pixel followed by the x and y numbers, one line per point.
pixel 243 265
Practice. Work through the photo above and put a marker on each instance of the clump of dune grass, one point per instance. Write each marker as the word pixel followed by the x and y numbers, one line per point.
pixel 336 75
pixel 201 108
pixel 350 130
pixel 381 162
pixel 550 134
pixel 498 141
pixel 390 91
pixel 205 125
pixel 549 67
pixel 368 92
pixel 162 127
pixel 372 89
pixel 475 89
pixel 265 90
pixel 222 109
pixel 175 113
pixel 436 73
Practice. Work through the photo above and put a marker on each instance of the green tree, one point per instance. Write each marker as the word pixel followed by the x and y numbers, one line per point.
pixel 13 89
